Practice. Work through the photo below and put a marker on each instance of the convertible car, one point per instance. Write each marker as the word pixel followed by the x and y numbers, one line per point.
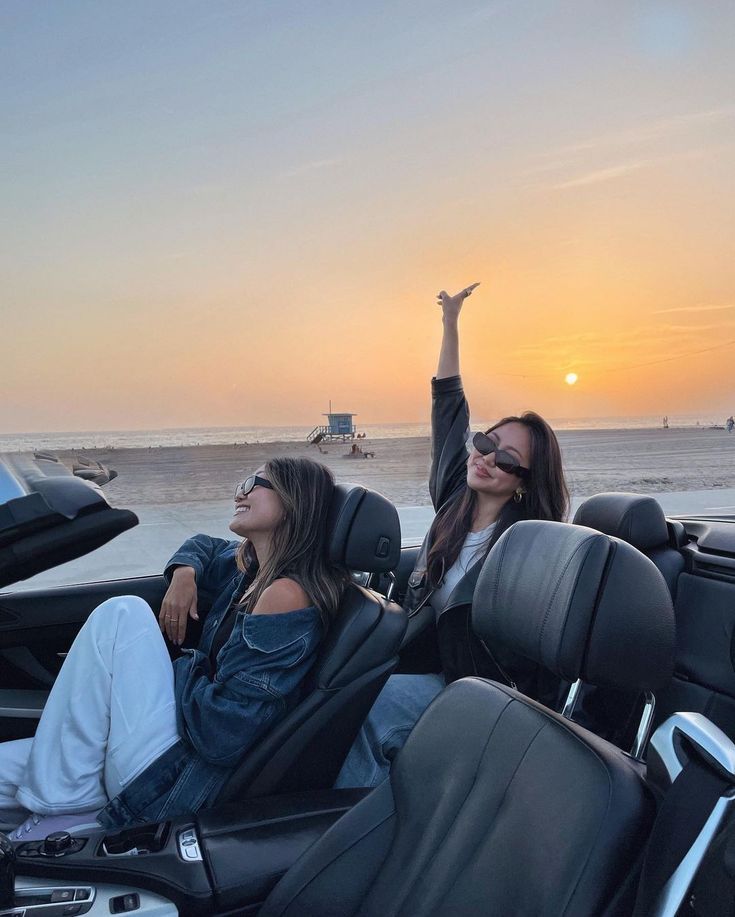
pixel 496 805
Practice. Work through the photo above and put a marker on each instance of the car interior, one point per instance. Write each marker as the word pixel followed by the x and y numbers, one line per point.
pixel 496 805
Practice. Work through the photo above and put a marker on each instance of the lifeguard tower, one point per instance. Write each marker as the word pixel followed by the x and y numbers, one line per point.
pixel 338 426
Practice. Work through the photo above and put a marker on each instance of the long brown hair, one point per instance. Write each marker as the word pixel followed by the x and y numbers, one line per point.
pixel 300 540
pixel 546 497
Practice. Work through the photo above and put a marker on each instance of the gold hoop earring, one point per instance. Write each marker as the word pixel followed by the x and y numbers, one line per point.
pixel 518 495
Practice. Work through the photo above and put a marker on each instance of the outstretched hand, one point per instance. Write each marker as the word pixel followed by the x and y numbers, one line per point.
pixel 452 305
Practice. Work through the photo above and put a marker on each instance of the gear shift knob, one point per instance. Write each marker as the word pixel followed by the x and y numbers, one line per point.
pixel 7 872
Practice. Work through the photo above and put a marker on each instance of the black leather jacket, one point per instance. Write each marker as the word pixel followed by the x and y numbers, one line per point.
pixel 460 651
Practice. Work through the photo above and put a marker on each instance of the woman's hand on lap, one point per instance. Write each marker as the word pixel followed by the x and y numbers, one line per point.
pixel 179 604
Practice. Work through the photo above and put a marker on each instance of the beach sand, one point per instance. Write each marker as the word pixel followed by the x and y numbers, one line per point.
pixel 178 491
pixel 643 461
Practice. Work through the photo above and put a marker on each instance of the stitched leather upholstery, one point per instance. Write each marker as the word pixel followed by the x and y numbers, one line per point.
pixel 636 518
pixel 581 603
pixel 365 530
pixel 639 520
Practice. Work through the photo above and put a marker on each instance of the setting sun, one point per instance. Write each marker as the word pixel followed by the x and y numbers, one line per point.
pixel 571 378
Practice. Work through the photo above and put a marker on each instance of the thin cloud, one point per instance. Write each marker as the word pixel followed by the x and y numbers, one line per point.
pixel 572 156
pixel 609 359
pixel 643 132
pixel 694 309
pixel 210 187
pixel 593 344
pixel 311 167
pixel 488 11
pixel 612 172
pixel 601 175
pixel 698 329
pixel 568 340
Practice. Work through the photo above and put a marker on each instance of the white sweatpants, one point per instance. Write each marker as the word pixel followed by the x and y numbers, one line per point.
pixel 111 712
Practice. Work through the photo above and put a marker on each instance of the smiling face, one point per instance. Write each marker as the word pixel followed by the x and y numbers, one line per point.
pixel 257 512
pixel 484 477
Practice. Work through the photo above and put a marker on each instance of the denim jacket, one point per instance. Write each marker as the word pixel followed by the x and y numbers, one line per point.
pixel 221 713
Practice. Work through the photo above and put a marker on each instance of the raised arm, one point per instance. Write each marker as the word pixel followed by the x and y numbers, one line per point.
pixel 450 414
pixel 449 352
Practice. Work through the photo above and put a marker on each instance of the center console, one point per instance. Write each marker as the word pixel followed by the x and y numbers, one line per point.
pixel 221 861
pixel 38 898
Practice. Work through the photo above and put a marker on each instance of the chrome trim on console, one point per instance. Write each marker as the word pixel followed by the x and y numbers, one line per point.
pixel 701 732
pixel 22 703
pixel 189 845
pixel 571 700
pixel 717 751
pixel 644 727
pixel 673 893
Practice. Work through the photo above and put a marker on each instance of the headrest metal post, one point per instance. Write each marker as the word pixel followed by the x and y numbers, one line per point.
pixel 571 700
pixel 391 587
pixel 644 727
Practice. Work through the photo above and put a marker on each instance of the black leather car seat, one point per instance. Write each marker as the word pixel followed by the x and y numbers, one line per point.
pixel 639 520
pixel 704 676
pixel 306 749
pixel 496 805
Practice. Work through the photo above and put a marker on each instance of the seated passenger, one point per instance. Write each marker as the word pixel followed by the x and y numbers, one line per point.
pixel 514 471
pixel 130 733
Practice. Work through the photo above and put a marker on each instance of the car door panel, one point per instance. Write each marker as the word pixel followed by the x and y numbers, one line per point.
pixel 704 678
pixel 52 617
pixel 37 629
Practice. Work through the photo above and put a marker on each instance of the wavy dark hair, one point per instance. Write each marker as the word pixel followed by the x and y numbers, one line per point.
pixel 546 497
pixel 300 540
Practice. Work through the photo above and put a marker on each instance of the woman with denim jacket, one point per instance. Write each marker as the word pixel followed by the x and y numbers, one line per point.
pixel 130 733
pixel 513 471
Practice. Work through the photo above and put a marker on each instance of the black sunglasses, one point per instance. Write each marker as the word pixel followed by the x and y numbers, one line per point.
pixel 503 460
pixel 243 489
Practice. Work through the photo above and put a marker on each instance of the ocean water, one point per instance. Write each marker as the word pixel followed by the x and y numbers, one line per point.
pixel 210 436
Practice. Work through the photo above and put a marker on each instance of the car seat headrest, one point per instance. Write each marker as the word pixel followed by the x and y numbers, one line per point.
pixel 365 532
pixel 578 602
pixel 635 518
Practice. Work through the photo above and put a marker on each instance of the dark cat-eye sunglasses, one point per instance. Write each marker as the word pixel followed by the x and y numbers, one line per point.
pixel 503 460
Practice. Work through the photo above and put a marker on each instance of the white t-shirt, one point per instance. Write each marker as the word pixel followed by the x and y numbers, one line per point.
pixel 472 550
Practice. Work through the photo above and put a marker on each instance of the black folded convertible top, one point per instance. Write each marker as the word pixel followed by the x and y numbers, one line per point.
pixel 48 516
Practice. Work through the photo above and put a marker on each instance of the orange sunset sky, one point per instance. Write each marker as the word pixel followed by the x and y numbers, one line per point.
pixel 228 213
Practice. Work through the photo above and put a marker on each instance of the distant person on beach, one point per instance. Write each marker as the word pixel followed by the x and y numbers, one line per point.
pixel 513 471
pixel 130 733
pixel 666 422
pixel 730 423
pixel 357 452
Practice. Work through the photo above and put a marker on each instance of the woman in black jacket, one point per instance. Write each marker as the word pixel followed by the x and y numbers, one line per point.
pixel 514 471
